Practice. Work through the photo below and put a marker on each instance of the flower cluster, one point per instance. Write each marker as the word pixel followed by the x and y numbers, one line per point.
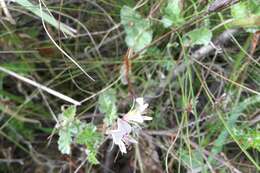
pixel 121 136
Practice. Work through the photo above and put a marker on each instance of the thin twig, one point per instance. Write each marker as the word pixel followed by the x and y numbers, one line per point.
pixel 6 12
pixel 53 41
pixel 40 86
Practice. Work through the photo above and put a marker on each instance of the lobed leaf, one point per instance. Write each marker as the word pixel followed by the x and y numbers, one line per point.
pixel 107 105
pixel 70 112
pixel 91 139
pixel 138 30
pixel 201 36
pixel 64 141
pixel 172 14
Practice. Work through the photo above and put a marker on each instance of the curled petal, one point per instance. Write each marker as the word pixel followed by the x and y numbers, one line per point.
pixel 147 118
pixel 141 104
pixel 122 147
pixel 136 116
pixel 123 126
pixel 117 136
pixel 121 135
pixel 129 140
pixel 140 100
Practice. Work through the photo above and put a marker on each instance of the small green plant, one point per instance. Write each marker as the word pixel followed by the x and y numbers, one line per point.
pixel 249 138
pixel 73 131
pixel 91 139
pixel 235 113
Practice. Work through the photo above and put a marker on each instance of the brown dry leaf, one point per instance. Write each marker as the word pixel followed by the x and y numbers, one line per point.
pixel 47 51
pixel 255 41
pixel 124 73
pixel 125 70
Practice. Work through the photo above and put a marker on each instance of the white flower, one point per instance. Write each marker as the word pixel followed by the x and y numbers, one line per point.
pixel 140 104
pixel 121 135
pixel 118 139
pixel 136 115
pixel 123 126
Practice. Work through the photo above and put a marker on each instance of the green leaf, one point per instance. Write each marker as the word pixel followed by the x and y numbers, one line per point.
pixel 138 30
pixel 75 126
pixel 239 11
pixel 69 127
pixel 107 105
pixel 91 139
pixel 83 133
pixel 92 158
pixel 246 15
pixel 250 138
pixel 198 37
pixel 67 116
pixel 70 112
pixel 88 136
pixel 254 6
pixel 64 141
pixel 172 14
